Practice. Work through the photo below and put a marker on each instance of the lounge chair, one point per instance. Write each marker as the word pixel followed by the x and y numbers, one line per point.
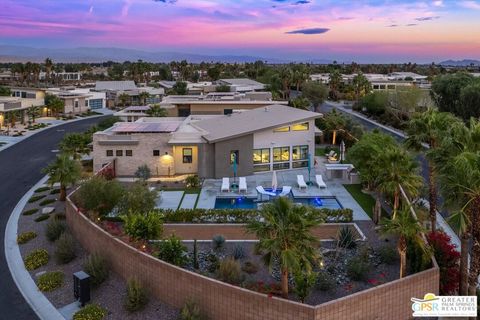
pixel 319 181
pixel 301 182
pixel 262 191
pixel 225 185
pixel 331 153
pixel 285 191
pixel 242 184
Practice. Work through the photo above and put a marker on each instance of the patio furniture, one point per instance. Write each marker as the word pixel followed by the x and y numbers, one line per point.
pixel 225 185
pixel 285 191
pixel 319 181
pixel 330 154
pixel 262 191
pixel 301 182
pixel 242 184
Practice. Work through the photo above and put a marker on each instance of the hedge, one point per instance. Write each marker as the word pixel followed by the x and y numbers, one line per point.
pixel 238 215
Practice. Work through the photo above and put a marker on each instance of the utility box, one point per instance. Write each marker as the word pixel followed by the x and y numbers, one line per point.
pixel 81 287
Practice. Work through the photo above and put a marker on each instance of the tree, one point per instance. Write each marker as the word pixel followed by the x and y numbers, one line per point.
pixel 214 73
pixel 100 196
pixel 157 111
pixel 65 171
pixel 300 102
pixel 124 99
pixel 143 173
pixel 143 96
pixel 469 101
pixel 33 113
pixel 300 75
pixel 460 222
pixel 361 85
pixel 446 90
pixel 48 69
pixel 448 260
pixel 180 88
pixel 286 78
pixel 374 103
pixel 285 235
pixel 398 169
pixel 138 199
pixel 54 103
pixel 222 88
pixel 335 124
pixel 316 93
pixel 335 81
pixel 4 91
pixel 407 229
pixel 430 128
pixel 75 144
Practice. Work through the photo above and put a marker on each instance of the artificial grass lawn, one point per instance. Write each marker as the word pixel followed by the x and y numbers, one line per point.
pixel 366 201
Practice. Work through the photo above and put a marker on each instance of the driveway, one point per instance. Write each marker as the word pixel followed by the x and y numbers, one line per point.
pixel 20 169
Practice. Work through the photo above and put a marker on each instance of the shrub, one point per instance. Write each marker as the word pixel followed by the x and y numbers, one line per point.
pixel 100 195
pixel 47 201
pixel 143 172
pixel 137 199
pixel 213 262
pixel 143 226
pixel 59 216
pixel 229 270
pixel 42 189
pixel 218 241
pixel 448 259
pixel 325 281
pixel 25 237
pixel 346 238
pixel 54 229
pixel 97 267
pixel 304 282
pixel 192 181
pixel 250 267
pixel 65 251
pixel 172 251
pixel 29 212
pixel 36 198
pixel 36 259
pixel 42 217
pixel 195 254
pixel 90 312
pixel 357 268
pixel 388 255
pixel 50 281
pixel 136 298
pixel 191 311
pixel 238 252
pixel 55 191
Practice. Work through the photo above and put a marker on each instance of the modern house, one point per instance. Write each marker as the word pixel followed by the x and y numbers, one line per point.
pixel 242 84
pixel 113 90
pixel 12 105
pixel 132 114
pixel 274 137
pixel 29 96
pixel 216 103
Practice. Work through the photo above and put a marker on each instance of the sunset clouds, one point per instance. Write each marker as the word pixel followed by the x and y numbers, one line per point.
pixel 348 30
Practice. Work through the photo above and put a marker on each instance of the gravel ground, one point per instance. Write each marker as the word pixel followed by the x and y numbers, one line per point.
pixel 110 294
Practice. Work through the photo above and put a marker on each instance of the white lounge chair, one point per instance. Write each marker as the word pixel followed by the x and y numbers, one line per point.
pixel 242 184
pixel 331 153
pixel 285 191
pixel 319 181
pixel 262 191
pixel 225 185
pixel 301 182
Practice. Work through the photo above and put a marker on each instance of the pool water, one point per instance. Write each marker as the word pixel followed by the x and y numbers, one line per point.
pixel 249 203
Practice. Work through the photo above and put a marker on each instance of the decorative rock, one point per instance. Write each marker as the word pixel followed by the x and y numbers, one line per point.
pixel 38 274
pixel 48 210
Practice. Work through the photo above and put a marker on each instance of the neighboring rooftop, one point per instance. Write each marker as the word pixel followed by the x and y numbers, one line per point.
pixel 146 127
pixel 243 84
pixel 115 85
pixel 238 124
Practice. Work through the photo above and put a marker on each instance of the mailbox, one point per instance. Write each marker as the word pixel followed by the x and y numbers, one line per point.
pixel 81 287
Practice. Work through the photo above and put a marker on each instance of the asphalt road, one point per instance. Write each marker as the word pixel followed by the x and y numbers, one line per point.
pixel 20 169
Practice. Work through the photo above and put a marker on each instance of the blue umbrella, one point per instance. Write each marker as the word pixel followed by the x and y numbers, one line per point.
pixel 234 167
pixel 309 167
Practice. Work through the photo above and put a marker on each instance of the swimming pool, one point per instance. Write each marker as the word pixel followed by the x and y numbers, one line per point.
pixel 249 203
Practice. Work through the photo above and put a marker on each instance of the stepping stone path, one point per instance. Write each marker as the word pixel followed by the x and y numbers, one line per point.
pixel 189 201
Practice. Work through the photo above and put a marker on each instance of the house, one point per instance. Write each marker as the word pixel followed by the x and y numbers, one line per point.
pixel 132 113
pixel 275 137
pixel 114 89
pixel 94 100
pixel 242 84
pixel 74 103
pixel 216 103
pixel 29 96
pixel 14 106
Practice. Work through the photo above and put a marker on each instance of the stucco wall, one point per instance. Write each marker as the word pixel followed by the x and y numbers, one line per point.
pixel 180 167
pixel 244 145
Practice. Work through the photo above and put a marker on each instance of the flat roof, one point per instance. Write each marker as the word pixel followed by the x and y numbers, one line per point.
pixel 146 127
pixel 115 85
pixel 242 123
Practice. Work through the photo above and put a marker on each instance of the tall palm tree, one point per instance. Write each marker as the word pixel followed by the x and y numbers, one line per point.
pixel 48 69
pixel 408 230
pixel 75 144
pixel 398 169
pixel 285 237
pixel 286 77
pixel 143 97
pixel 335 80
pixel 430 128
pixel 65 171
pixel 361 85
pixel 157 111
pixel 461 223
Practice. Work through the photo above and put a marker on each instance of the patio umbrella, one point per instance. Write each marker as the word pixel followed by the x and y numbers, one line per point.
pixel 309 167
pixel 274 181
pixel 342 151
pixel 234 165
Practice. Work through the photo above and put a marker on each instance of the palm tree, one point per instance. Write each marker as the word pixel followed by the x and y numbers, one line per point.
pixel 398 169
pixel 124 99
pixel 361 85
pixel 285 237
pixel 65 171
pixel 461 223
pixel 75 144
pixel 48 69
pixel 430 128
pixel 286 76
pixel 143 97
pixel 157 111
pixel 33 112
pixel 335 80
pixel 408 230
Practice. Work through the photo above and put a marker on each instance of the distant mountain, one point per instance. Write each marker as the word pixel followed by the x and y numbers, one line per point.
pixel 460 63
pixel 90 54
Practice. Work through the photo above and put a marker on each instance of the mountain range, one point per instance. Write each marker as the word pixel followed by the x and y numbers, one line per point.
pixel 460 63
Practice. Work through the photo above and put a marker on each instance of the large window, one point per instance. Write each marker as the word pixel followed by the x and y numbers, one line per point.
pixel 234 157
pixel 187 154
pixel 261 160
pixel 281 154
pixel 299 156
pixel 300 126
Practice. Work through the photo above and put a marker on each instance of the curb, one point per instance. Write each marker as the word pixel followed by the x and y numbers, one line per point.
pixel 25 283
pixel 49 127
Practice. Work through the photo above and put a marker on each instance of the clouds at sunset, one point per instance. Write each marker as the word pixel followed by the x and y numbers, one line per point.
pixel 424 30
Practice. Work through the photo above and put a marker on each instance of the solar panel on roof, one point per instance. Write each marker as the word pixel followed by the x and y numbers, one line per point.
pixel 164 126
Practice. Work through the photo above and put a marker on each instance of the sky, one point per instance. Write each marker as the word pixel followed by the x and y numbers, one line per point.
pixel 362 31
